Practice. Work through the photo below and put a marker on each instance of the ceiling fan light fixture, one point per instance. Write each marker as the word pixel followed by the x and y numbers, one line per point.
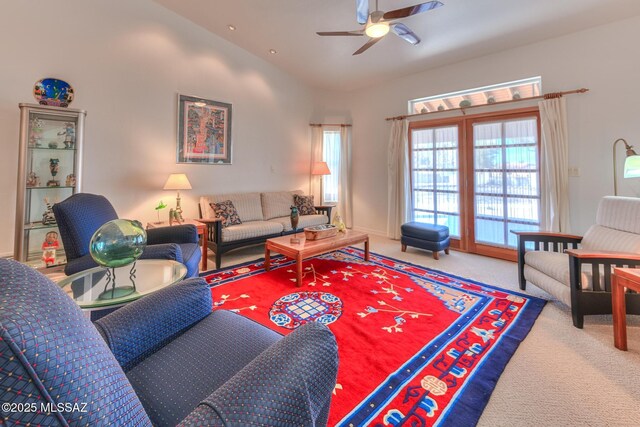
pixel 377 30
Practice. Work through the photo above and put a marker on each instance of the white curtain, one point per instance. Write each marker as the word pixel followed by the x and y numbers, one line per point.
pixel 316 156
pixel 554 166
pixel 400 199
pixel 345 204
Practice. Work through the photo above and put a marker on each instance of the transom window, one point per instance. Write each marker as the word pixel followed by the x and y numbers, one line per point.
pixel 519 89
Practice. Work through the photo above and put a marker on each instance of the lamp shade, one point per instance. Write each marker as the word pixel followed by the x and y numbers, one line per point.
pixel 320 168
pixel 177 181
pixel 632 166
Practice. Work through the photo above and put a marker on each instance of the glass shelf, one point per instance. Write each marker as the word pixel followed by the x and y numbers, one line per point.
pixel 51 187
pixel 38 226
pixel 52 149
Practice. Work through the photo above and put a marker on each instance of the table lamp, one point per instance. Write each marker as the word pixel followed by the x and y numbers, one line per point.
pixel 178 181
pixel 631 164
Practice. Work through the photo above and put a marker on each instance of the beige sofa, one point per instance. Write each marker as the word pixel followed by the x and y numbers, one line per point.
pixel 564 265
pixel 263 215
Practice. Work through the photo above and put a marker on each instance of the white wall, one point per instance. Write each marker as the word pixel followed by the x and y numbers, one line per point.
pixel 602 59
pixel 127 61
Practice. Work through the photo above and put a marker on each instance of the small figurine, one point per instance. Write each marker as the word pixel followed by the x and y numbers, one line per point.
pixel 49 247
pixel 54 164
pixel 69 133
pixel 338 222
pixel 294 217
pixel 71 180
pixel 36 132
pixel 48 218
pixel 33 180
pixel 174 216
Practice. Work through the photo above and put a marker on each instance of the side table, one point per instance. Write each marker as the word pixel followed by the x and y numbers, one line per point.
pixel 326 209
pixel 202 232
pixel 89 288
pixel 622 278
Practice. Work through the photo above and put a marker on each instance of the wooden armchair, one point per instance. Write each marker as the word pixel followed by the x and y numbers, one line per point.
pixel 577 270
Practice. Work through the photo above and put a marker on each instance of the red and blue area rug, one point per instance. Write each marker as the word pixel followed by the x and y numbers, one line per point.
pixel 416 346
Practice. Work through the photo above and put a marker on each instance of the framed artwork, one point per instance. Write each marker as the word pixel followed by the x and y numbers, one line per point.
pixel 204 131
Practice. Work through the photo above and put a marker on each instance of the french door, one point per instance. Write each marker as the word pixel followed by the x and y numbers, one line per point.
pixel 436 177
pixel 478 175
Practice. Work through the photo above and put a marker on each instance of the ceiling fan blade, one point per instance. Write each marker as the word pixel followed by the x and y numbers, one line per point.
pixel 367 45
pixel 341 33
pixel 362 11
pixel 411 10
pixel 405 33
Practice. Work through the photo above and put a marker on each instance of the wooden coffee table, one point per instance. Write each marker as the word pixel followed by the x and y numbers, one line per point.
pixel 310 248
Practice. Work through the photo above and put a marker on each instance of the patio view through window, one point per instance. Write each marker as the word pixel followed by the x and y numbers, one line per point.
pixel 434 161
pixel 519 89
pixel 478 175
pixel 507 196
pixel 331 155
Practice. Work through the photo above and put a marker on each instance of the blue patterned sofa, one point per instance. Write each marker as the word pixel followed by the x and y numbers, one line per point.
pixel 163 360
pixel 82 214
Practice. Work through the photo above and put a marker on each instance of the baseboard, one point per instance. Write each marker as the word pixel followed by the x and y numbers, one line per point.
pixel 370 231
pixel 8 255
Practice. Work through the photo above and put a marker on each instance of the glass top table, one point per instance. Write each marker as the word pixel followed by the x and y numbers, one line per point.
pixel 99 288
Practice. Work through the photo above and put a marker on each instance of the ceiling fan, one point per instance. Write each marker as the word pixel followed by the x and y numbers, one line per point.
pixel 378 23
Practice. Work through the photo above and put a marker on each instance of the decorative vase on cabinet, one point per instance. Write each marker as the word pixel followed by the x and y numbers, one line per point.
pixel 50 147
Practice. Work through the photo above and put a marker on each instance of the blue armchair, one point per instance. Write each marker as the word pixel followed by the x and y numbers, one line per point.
pixel 163 360
pixel 80 215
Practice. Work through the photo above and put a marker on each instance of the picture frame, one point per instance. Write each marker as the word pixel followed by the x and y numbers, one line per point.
pixel 204 131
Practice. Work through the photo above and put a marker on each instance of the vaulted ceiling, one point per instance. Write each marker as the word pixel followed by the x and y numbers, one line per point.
pixel 459 30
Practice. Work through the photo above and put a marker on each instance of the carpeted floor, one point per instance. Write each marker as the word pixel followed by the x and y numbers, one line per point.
pixel 415 344
pixel 560 375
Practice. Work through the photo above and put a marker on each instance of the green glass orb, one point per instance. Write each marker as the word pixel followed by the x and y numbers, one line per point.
pixel 118 243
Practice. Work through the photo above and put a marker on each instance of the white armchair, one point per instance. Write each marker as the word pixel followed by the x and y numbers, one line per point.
pixel 577 270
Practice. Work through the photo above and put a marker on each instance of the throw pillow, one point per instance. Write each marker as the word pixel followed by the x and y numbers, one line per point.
pixel 227 212
pixel 304 204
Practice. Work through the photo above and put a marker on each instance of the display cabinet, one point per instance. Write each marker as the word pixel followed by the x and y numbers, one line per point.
pixel 49 171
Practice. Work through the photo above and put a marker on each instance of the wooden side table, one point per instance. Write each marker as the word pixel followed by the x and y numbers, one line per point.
pixel 326 209
pixel 202 232
pixel 622 278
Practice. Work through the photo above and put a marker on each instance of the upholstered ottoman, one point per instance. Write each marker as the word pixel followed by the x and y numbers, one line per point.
pixel 434 238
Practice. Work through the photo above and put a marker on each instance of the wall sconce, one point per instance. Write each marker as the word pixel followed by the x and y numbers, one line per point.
pixel 631 164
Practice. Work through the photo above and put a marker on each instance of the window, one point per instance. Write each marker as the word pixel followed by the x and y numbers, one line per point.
pixel 479 175
pixel 507 196
pixel 519 89
pixel 331 155
pixel 434 164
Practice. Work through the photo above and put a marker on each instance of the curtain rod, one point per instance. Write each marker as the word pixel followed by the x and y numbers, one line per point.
pixel 463 109
pixel 330 124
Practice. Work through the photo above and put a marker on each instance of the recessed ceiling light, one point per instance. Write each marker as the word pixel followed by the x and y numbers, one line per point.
pixel 273 51
pixel 231 27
